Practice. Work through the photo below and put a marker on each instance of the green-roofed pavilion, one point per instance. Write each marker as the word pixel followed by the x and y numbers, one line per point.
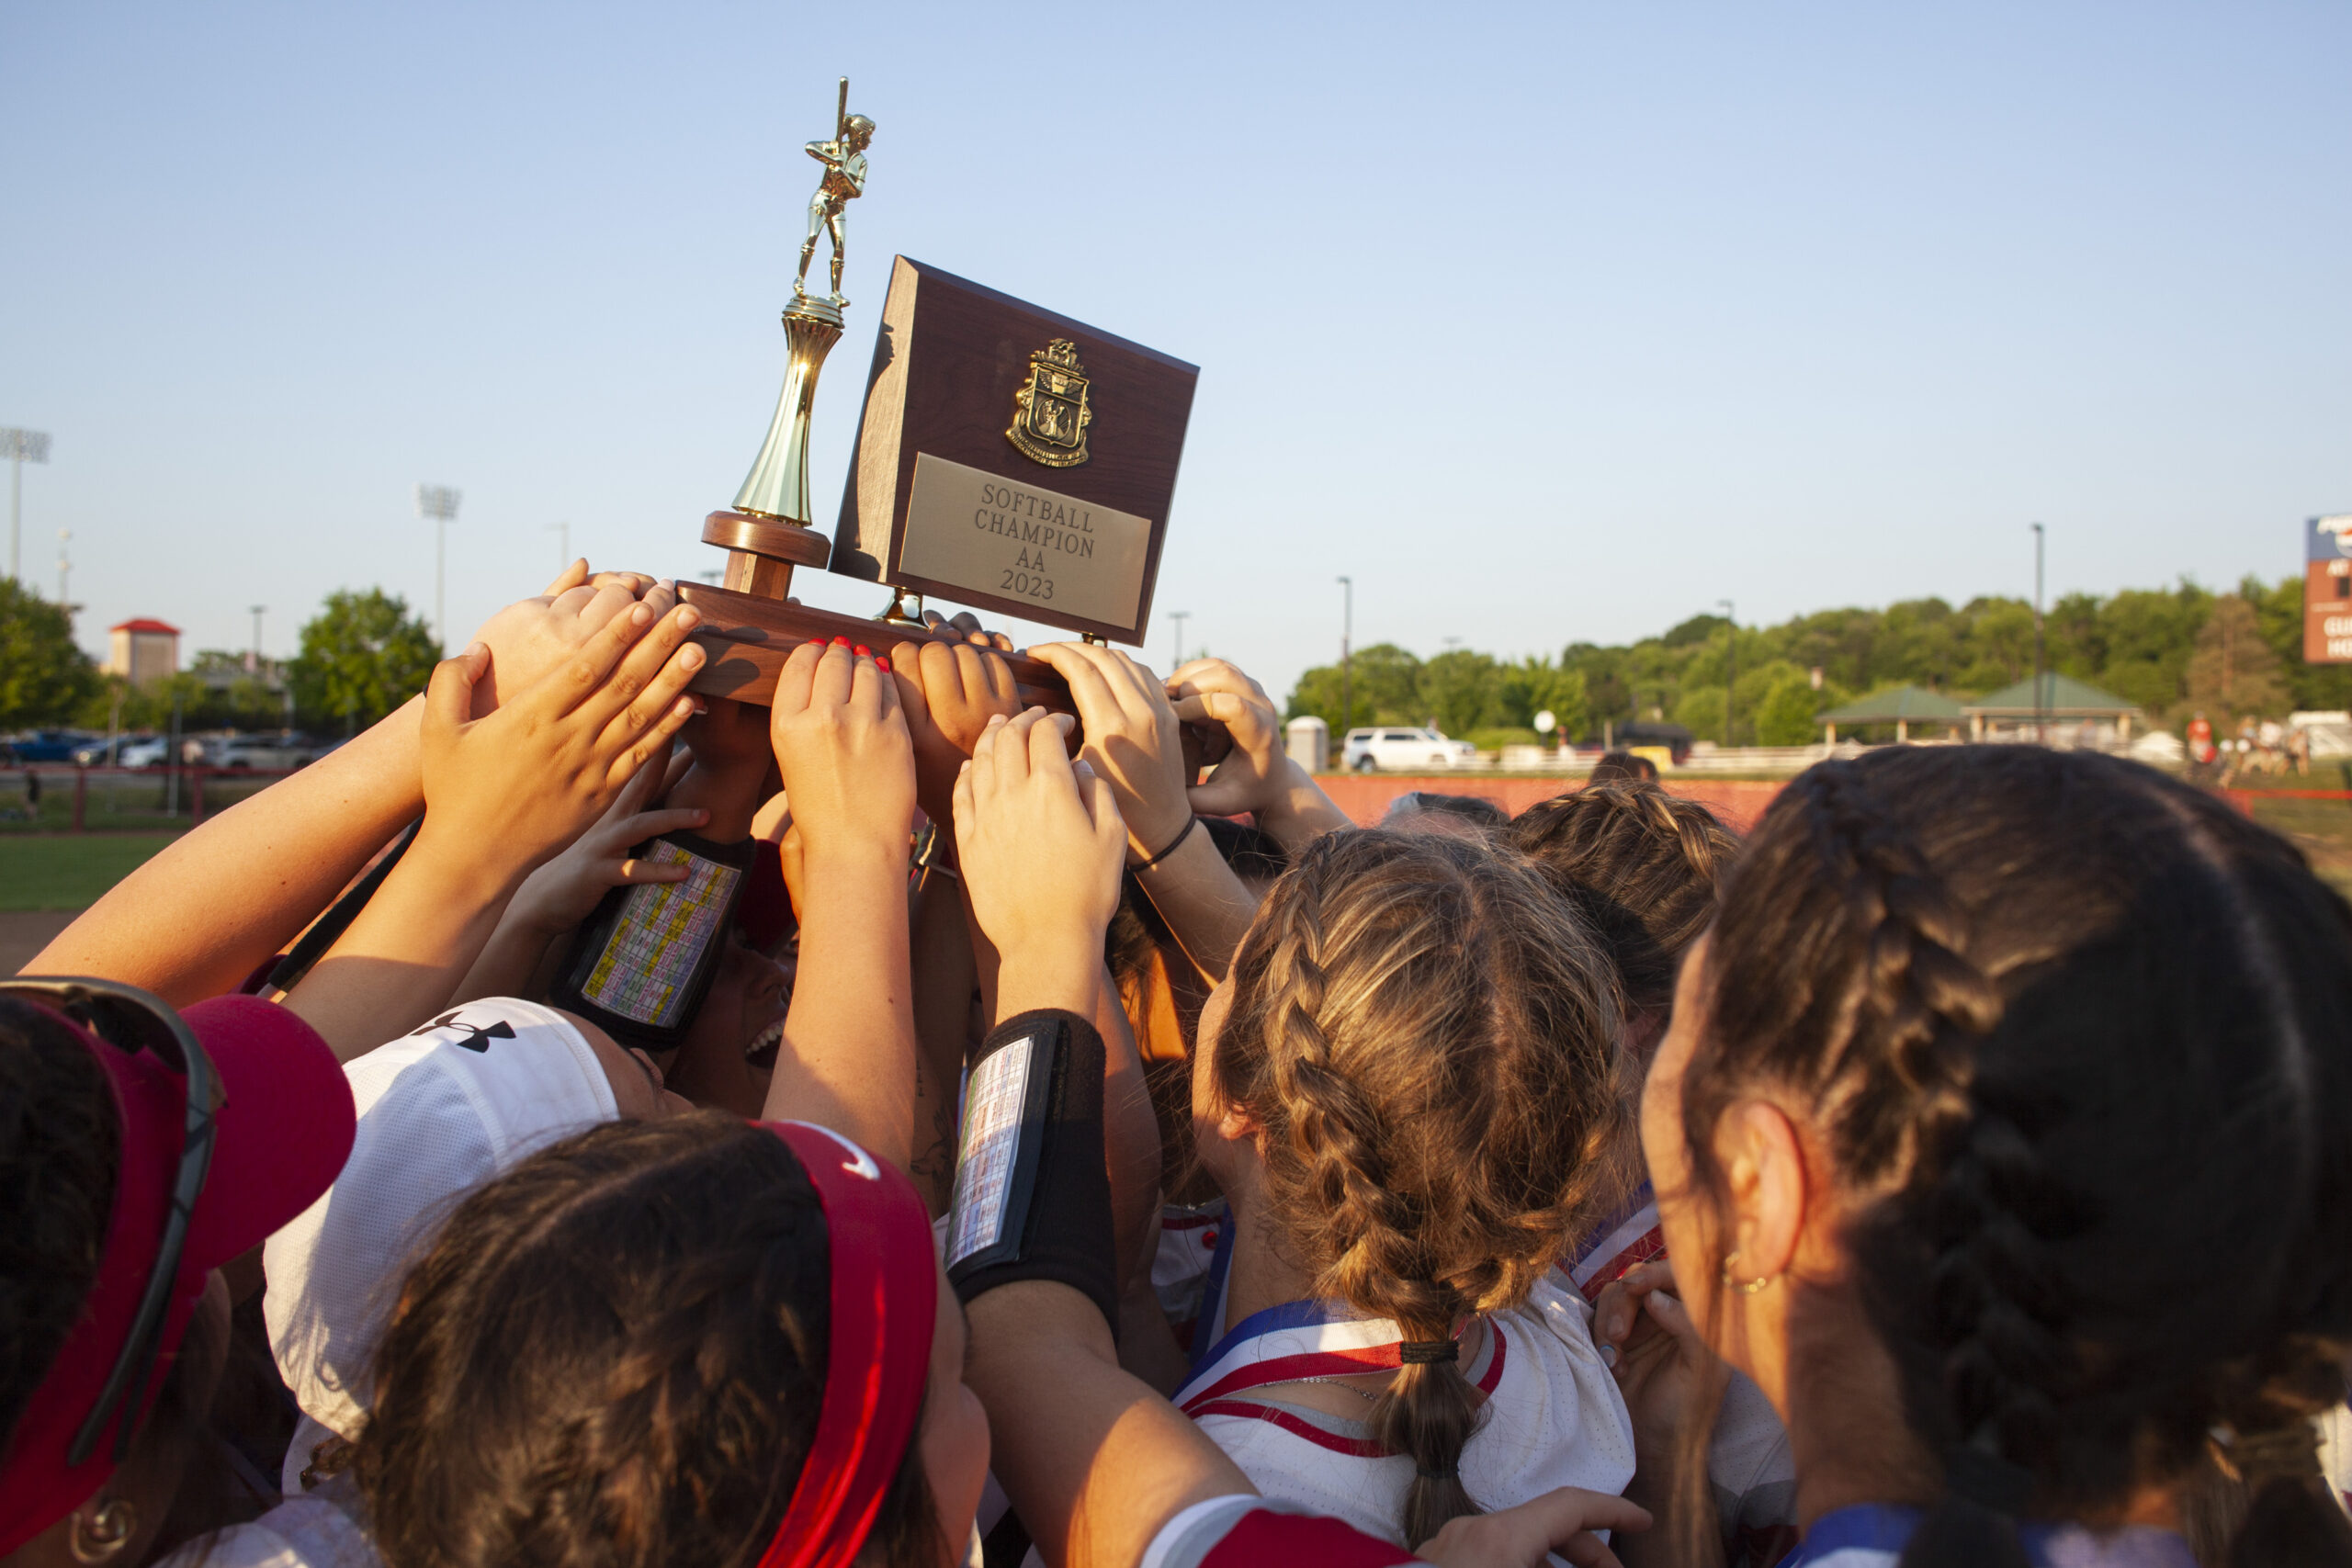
pixel 2063 696
pixel 1901 706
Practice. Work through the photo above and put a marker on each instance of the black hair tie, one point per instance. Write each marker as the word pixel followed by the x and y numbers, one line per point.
pixel 1423 1352
pixel 1437 1474
pixel 1987 1480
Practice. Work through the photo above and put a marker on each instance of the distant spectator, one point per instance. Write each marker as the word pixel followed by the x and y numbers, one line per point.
pixel 1624 766
pixel 32 793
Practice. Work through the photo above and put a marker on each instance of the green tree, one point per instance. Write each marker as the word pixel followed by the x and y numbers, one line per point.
pixel 1387 689
pixel 1784 718
pixel 1462 691
pixel 43 677
pixel 1534 685
pixel 1701 711
pixel 362 657
pixel 2234 670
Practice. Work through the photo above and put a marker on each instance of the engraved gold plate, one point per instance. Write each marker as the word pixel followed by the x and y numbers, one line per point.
pixel 1050 411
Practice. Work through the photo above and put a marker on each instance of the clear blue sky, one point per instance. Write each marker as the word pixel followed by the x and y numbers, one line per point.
pixel 1543 323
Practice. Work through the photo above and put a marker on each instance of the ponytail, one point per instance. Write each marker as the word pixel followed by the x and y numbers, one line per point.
pixel 1428 1413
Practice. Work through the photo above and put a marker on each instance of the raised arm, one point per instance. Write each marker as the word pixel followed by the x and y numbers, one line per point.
pixel 200 916
pixel 1134 741
pixel 503 795
pixel 1255 773
pixel 848 1057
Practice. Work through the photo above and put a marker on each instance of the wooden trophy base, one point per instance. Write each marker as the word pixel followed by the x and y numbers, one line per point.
pixel 749 631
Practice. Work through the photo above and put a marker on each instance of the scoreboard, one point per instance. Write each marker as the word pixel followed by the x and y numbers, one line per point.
pixel 2327 590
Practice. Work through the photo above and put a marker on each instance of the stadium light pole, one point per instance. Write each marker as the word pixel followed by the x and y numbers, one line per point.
pixel 440 504
pixel 1347 658
pixel 564 544
pixel 24 446
pixel 64 536
pixel 2040 732
pixel 1731 662
pixel 1179 618
pixel 259 611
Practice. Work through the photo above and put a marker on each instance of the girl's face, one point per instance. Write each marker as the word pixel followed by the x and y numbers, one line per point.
pixel 955 1431
pixel 1221 1138
pixel 1663 1144
pixel 728 1057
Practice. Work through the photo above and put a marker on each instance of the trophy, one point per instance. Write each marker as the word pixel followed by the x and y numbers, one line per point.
pixel 1009 459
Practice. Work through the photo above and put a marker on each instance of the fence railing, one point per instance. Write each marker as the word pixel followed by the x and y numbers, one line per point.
pixel 72 800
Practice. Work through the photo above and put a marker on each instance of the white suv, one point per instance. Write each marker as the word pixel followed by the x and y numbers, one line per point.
pixel 1404 750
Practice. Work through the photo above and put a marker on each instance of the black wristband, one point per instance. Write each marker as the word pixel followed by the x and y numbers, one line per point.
pixel 1033 1195
pixel 1173 845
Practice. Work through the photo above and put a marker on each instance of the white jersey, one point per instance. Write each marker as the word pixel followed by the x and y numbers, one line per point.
pixel 1552 1417
pixel 301 1532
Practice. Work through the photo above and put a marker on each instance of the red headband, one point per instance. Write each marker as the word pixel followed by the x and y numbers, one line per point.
pixel 885 1297
pixel 39 1487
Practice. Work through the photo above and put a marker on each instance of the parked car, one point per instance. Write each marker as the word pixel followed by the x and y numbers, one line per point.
pixel 145 754
pixel 1398 750
pixel 105 753
pixel 266 752
pixel 43 746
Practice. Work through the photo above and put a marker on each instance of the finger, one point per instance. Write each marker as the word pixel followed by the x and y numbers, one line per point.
pixel 681 763
pixel 632 758
pixel 984 768
pixel 650 676
pixel 646 825
pixel 774 819
pixel 661 596
pixel 640 788
pixel 996 682
pixel 1587 1549
pixel 570 578
pixel 1014 760
pixel 964 808
pixel 1675 1318
pixel 635 871
pixel 794 684
pixel 963 621
pixel 1090 689
pixel 449 693
pixel 1048 759
pixel 579 678
pixel 1102 811
pixel 835 677
pixel 1211 707
pixel 1613 1314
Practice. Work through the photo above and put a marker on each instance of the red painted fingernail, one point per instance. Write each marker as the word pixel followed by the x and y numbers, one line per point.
pixel 840 642
pixel 882 662
pixel 816 642
pixel 862 651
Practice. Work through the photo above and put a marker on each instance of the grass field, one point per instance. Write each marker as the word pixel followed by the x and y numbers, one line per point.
pixel 69 871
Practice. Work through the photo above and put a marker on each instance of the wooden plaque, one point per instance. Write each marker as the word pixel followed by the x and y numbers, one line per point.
pixel 1013 460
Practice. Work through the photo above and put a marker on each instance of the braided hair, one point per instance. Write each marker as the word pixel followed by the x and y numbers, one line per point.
pixel 1426 1031
pixel 1641 865
pixel 2073 1036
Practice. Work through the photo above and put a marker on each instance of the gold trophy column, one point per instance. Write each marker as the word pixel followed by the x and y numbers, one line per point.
pixel 769 530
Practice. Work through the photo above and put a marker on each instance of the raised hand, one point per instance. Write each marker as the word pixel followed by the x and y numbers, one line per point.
pixel 1251 769
pixel 531 637
pixel 517 785
pixel 1039 841
pixel 841 745
pixel 948 692
pixel 1563 1521
pixel 566 890
pixel 1133 741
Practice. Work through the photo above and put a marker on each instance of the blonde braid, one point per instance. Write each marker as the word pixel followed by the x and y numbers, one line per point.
pixel 1426 1032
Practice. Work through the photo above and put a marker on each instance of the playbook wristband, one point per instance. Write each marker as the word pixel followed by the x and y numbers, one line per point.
pixel 1033 1196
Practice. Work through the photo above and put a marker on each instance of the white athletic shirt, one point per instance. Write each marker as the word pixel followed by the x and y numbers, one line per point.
pixel 1552 1415
pixel 301 1532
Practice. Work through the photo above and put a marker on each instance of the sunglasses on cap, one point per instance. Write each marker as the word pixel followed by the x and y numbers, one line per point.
pixel 132 1020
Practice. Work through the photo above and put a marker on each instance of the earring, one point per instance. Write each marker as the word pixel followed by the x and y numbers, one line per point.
pixel 1745 1287
pixel 98 1536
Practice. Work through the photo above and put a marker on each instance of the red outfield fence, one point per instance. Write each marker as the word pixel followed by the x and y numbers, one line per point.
pixel 1738 802
pixel 191 782
pixel 1364 797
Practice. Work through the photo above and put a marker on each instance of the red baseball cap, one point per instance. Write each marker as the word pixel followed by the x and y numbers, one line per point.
pixel 281 1133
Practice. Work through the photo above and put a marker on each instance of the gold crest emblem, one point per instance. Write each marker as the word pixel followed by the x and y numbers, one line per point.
pixel 1050 412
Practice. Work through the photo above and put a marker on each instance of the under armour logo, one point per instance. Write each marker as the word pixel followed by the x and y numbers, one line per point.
pixel 478 1039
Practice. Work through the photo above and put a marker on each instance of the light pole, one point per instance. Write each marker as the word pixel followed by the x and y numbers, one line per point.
pixel 252 667
pixel 1347 658
pixel 63 566
pixel 564 544
pixel 23 447
pixel 1180 617
pixel 1731 661
pixel 440 504
pixel 2041 736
